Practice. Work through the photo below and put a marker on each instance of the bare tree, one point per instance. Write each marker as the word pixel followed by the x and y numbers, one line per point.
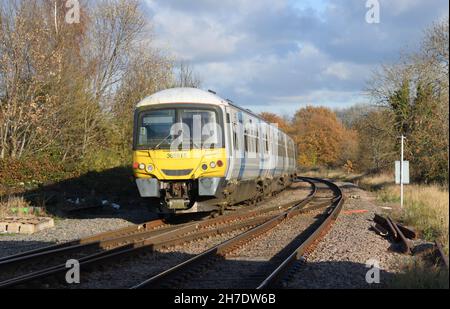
pixel 147 73
pixel 186 76
pixel 29 66
pixel 70 89
pixel 58 82
pixel 115 29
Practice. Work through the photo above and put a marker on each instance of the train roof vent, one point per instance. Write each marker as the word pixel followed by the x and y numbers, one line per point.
pixel 211 91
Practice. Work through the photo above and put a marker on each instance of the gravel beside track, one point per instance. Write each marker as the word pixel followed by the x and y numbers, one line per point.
pixel 128 272
pixel 68 229
pixel 339 260
pixel 248 266
pixel 64 230
pixel 134 270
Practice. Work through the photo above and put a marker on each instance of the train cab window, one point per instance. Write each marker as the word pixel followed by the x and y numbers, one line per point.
pixel 155 127
pixel 205 123
pixel 159 128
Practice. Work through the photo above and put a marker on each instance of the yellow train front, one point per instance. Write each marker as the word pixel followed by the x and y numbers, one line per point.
pixel 192 152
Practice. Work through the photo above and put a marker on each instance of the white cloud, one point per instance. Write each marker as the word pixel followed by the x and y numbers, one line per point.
pixel 320 97
pixel 339 70
pixel 260 53
pixel 190 37
pixel 398 7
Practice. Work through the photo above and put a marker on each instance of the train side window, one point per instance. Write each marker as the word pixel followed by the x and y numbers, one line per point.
pixel 280 147
pixel 266 141
pixel 257 141
pixel 246 141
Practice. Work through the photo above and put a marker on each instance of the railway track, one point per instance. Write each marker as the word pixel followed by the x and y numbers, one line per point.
pixel 212 267
pixel 32 268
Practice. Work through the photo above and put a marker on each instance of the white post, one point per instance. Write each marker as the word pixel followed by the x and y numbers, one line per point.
pixel 401 174
pixel 56 17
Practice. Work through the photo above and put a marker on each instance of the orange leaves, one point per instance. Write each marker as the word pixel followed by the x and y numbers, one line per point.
pixel 321 137
pixel 273 118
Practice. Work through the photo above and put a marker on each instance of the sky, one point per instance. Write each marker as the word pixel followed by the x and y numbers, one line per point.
pixel 280 55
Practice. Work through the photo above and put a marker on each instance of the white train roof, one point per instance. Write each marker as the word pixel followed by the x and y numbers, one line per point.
pixel 182 95
pixel 189 95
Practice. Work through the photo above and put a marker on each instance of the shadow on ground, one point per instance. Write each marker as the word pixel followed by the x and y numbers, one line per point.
pixel 9 247
pixel 132 269
pixel 108 194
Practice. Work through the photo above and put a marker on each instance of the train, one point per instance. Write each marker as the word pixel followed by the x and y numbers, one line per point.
pixel 194 151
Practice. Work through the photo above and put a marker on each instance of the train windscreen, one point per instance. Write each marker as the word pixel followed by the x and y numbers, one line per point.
pixel 184 127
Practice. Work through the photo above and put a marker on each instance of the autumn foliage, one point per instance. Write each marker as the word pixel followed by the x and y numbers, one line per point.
pixel 321 138
pixel 275 119
pixel 409 98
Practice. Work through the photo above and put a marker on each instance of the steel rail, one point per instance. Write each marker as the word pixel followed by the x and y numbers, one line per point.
pixel 229 245
pixel 147 245
pixel 164 238
pixel 110 240
pixel 99 239
pixel 151 225
pixel 298 253
pixel 406 244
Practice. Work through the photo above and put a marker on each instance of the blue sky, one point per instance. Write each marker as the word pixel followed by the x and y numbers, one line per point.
pixel 280 55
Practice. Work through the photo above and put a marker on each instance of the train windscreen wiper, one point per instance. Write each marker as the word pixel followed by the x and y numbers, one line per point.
pixel 164 140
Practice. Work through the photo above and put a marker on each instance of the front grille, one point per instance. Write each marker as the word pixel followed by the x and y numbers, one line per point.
pixel 177 172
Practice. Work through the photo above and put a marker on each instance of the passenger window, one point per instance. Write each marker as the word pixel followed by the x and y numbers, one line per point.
pixel 246 141
pixel 235 137
pixel 257 141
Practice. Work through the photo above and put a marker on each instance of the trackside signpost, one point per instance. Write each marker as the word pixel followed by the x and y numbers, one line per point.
pixel 402 171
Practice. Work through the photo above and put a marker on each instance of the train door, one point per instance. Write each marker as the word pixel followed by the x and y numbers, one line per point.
pixel 235 143
pixel 263 146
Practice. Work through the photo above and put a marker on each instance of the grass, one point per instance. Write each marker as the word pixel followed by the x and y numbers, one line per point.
pixel 15 206
pixel 329 173
pixel 426 208
pixel 11 205
pixel 419 275
pixel 374 182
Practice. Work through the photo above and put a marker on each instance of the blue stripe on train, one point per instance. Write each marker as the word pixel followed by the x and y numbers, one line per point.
pixel 243 158
pixel 261 150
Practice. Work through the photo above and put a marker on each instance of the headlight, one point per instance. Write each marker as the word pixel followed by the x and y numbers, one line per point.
pixel 142 166
pixel 150 168
pixel 213 164
pixel 204 167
